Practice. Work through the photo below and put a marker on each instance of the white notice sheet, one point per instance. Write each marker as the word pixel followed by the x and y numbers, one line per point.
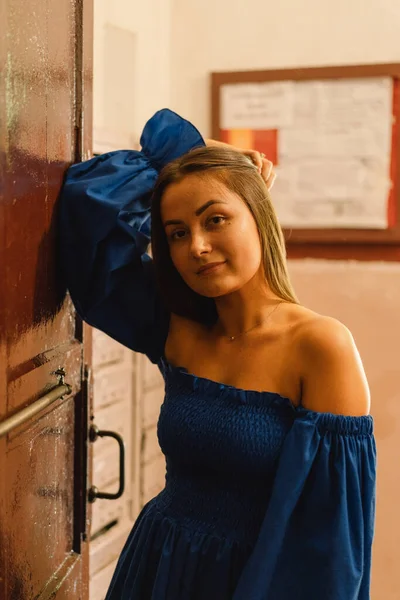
pixel 333 146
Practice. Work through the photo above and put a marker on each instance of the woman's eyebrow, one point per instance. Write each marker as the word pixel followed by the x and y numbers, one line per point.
pixel 198 212
pixel 206 205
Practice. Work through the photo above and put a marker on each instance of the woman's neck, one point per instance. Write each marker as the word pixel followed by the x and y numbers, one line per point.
pixel 245 309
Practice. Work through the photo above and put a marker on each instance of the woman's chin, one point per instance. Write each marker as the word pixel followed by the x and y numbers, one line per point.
pixel 214 289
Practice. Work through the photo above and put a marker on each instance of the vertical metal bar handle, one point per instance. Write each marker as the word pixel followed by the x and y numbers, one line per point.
pixel 94 493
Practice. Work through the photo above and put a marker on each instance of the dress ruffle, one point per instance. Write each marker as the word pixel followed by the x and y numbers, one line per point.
pixel 164 560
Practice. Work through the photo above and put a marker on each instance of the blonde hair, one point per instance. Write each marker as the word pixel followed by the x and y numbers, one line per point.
pixel 237 172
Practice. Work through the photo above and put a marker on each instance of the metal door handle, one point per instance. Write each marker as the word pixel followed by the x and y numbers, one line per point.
pixel 94 493
pixel 25 414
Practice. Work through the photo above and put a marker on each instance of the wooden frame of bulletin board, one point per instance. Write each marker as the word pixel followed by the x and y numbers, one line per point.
pixel 333 133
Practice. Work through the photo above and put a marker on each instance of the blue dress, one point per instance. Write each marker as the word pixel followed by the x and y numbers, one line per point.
pixel 262 500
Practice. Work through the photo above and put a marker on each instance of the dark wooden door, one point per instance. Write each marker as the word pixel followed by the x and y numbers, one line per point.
pixel 45 123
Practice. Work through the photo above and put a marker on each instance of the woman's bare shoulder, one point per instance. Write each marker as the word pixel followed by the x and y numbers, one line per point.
pixel 304 322
pixel 179 325
pixel 330 366
pixel 313 331
pixel 182 333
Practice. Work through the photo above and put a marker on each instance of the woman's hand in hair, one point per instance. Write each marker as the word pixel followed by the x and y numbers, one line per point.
pixel 265 166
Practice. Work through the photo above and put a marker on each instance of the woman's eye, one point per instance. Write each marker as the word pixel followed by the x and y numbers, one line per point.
pixel 177 235
pixel 217 220
pixel 180 234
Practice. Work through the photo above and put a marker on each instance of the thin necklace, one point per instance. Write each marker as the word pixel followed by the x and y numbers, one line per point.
pixel 231 338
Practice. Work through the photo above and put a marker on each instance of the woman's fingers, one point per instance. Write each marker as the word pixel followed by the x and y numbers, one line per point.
pixel 270 181
pixel 266 169
pixel 264 165
pixel 268 173
pixel 255 156
pixel 258 159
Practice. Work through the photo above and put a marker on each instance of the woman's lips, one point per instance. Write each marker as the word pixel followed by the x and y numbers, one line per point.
pixel 211 268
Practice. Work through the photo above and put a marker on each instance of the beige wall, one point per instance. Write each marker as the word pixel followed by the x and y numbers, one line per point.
pixel 366 297
pixel 131 63
pixel 235 35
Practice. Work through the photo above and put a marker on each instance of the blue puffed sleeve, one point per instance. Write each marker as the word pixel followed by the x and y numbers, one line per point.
pixel 315 541
pixel 104 232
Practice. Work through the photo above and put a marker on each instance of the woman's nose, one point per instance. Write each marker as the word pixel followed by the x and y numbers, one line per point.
pixel 199 245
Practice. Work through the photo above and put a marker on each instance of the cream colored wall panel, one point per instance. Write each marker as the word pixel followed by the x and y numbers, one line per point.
pixel 106 139
pixel 151 447
pixel 116 417
pixel 105 465
pixel 105 512
pixel 106 548
pixel 112 384
pixel 119 64
pixel 151 375
pixel 151 403
pixel 106 350
pixel 100 582
pixel 153 478
pixel 142 71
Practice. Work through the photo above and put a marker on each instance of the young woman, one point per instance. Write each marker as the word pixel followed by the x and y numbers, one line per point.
pixel 265 425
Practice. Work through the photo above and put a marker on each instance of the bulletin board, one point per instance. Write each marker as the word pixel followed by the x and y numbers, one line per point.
pixel 333 136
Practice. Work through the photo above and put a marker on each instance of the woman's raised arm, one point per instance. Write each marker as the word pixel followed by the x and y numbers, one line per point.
pixel 104 232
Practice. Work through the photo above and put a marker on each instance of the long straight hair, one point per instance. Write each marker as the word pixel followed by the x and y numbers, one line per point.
pixel 238 174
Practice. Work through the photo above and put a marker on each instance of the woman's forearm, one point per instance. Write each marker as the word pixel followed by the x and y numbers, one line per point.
pixel 210 142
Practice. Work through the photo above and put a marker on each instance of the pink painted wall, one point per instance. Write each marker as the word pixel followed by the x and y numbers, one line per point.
pixel 366 298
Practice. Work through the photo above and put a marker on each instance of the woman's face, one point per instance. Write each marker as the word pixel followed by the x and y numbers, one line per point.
pixel 206 223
